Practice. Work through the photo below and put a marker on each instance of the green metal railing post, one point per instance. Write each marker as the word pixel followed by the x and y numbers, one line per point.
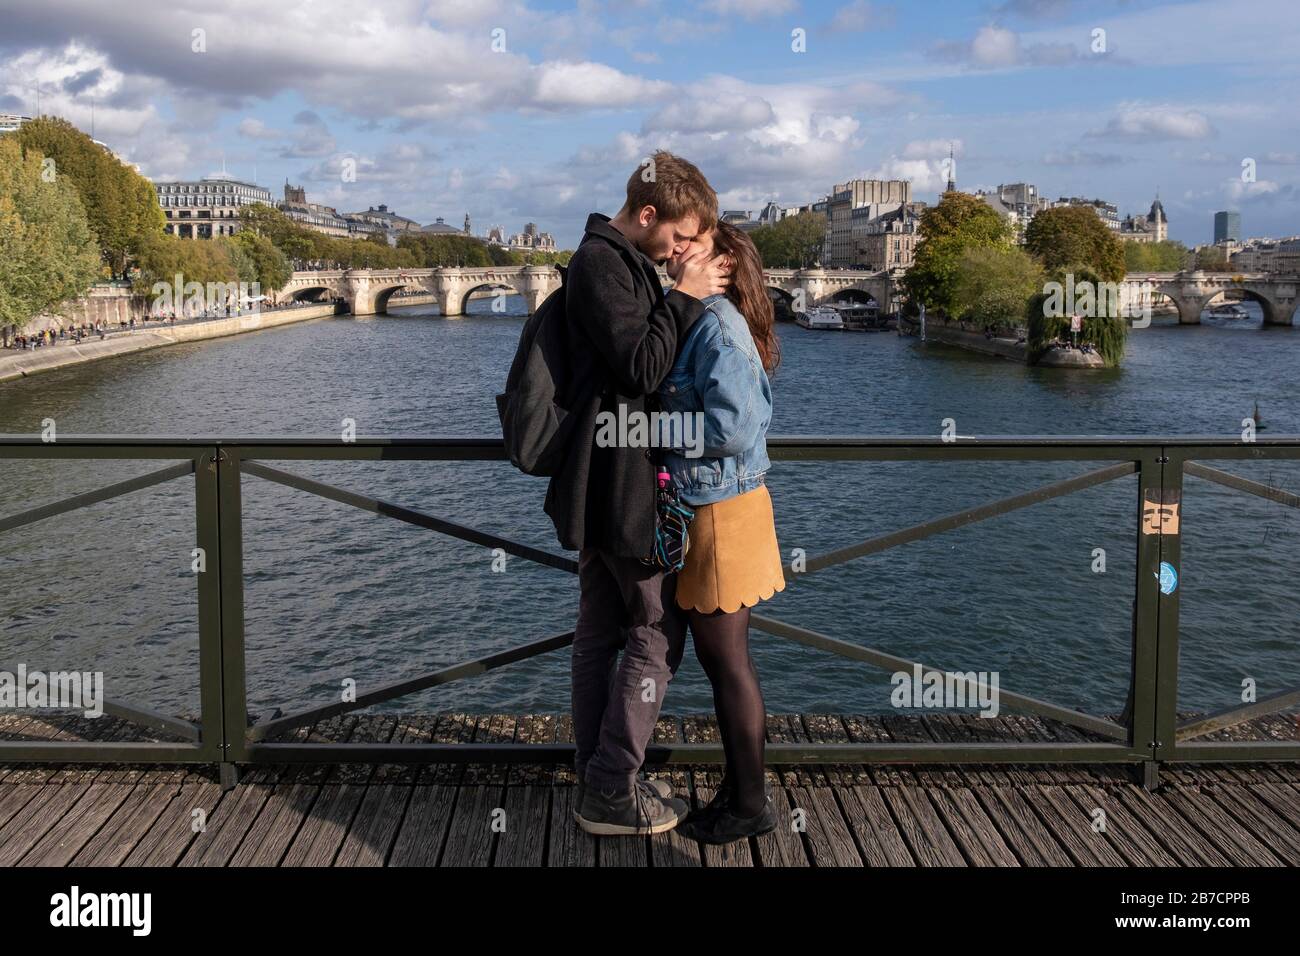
pixel 208 538
pixel 235 709
pixel 1166 684
pixel 1146 620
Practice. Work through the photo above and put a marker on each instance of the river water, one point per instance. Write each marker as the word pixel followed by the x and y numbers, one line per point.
pixel 334 593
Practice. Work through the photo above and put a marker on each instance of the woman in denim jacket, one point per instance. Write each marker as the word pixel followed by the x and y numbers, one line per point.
pixel 720 380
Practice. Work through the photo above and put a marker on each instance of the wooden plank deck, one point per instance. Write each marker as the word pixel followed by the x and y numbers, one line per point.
pixel 520 815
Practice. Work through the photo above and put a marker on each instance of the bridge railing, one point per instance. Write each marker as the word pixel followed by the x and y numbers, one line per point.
pixel 1148 733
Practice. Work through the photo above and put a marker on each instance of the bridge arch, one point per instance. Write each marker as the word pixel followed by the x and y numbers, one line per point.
pixel 314 293
pixel 852 296
pixel 782 303
pixel 385 293
pixel 1245 294
pixel 494 286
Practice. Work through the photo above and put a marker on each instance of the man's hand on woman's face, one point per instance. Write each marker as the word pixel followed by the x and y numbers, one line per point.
pixel 699 275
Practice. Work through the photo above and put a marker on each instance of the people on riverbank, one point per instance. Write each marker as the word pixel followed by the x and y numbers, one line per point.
pixel 76 334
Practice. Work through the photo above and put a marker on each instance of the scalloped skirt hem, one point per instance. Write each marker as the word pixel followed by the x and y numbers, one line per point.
pixel 734 560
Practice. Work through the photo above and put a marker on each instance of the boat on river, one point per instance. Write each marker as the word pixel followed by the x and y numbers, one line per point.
pixel 820 317
pixel 1229 310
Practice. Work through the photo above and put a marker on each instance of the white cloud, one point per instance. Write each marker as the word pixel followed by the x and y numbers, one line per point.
pixel 1157 122
pixel 253 128
pixel 926 175
pixel 997 48
pixel 410 60
pixel 994 46
pixel 593 85
pixel 1237 191
pixel 712 112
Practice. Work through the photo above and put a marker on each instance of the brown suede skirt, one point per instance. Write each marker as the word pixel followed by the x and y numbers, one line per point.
pixel 734 559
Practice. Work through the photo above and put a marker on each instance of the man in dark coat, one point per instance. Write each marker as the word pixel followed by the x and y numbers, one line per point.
pixel 623 332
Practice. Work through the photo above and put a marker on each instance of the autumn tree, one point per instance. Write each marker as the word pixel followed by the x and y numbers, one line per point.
pixel 993 283
pixel 958 223
pixel 1068 236
pixel 791 243
pixel 47 251
pixel 121 206
pixel 1166 256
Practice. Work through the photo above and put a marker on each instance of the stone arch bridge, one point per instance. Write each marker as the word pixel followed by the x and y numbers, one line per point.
pixel 823 286
pixel 1191 292
pixel 368 291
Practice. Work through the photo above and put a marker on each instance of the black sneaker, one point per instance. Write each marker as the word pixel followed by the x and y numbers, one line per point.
pixel 660 788
pixel 718 824
pixel 720 798
pixel 636 813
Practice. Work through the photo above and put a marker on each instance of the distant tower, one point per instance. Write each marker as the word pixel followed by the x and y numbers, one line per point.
pixel 952 171
pixel 1156 221
pixel 467 232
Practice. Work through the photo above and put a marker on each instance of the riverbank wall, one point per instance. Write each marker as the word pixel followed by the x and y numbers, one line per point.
pixel 106 303
pixel 973 341
pixel 958 337
pixel 20 364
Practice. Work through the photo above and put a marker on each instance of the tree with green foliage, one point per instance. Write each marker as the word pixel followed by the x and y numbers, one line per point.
pixel 1211 259
pixel 171 259
pixel 432 250
pixel 501 256
pixel 121 205
pixel 958 222
pixel 244 266
pixel 271 269
pixel 294 241
pixel 1069 236
pixel 48 253
pixel 297 243
pixel 993 284
pixel 794 242
pixel 1106 330
pixel 1165 256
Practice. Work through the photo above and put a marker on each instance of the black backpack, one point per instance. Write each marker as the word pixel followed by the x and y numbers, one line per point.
pixel 535 412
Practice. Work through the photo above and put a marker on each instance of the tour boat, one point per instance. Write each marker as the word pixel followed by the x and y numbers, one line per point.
pixel 1229 310
pixel 820 317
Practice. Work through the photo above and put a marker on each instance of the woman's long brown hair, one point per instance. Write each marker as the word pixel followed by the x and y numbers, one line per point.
pixel 748 290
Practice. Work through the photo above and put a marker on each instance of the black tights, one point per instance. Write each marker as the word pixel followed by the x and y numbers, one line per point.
pixel 722 645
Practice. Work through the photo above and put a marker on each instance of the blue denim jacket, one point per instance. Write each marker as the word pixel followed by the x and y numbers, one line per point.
pixel 718 372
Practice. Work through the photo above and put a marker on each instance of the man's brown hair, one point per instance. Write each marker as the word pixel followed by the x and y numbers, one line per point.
pixel 675 187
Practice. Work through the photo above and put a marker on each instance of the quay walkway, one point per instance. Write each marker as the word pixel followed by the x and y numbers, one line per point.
pixel 20 363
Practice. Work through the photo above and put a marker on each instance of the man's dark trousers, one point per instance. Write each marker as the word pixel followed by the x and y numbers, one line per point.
pixel 624 605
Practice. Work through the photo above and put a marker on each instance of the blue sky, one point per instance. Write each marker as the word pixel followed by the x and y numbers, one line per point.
pixel 518 111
